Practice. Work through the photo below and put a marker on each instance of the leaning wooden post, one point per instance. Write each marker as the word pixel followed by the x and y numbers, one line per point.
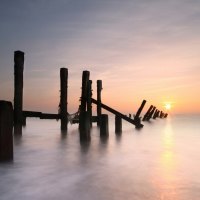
pixel 147 113
pixel 18 90
pixel 89 102
pixel 165 115
pixel 137 116
pixel 118 124
pixel 63 98
pixel 151 113
pixel 84 120
pixel 6 127
pixel 99 88
pixel 154 116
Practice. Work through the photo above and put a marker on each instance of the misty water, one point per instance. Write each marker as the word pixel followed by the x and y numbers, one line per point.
pixel 159 162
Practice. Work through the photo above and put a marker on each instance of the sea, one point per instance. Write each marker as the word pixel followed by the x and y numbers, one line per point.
pixel 161 161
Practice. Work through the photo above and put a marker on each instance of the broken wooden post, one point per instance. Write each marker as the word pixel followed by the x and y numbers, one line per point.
pixel 84 120
pixel 104 129
pixel 118 124
pixel 18 90
pixel 99 88
pixel 63 98
pixel 147 113
pixel 6 127
pixel 89 103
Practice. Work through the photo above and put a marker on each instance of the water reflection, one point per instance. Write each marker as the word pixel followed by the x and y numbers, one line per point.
pixel 168 165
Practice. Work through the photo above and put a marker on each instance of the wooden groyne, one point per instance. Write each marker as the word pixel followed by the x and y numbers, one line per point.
pixel 84 117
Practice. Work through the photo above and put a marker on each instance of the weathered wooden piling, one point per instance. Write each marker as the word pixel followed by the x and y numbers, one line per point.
pixel 155 115
pixel 18 90
pixel 104 129
pixel 118 124
pixel 147 113
pixel 63 98
pixel 89 102
pixel 99 89
pixel 151 113
pixel 137 118
pixel 165 115
pixel 140 109
pixel 6 127
pixel 84 119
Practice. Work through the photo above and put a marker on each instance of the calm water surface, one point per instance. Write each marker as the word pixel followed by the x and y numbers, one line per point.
pixel 159 162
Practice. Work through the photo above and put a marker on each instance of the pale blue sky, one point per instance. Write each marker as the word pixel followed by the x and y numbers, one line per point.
pixel 139 48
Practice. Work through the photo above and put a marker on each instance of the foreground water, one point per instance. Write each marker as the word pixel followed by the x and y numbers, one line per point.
pixel 159 162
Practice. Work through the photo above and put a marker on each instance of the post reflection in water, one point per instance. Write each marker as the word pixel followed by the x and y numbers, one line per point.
pixel 168 165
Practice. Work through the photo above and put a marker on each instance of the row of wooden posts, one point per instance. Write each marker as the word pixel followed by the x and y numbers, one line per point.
pixel 8 114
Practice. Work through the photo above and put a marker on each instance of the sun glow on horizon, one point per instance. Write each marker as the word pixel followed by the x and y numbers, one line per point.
pixel 168 106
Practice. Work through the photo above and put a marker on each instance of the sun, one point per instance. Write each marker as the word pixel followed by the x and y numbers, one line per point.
pixel 168 106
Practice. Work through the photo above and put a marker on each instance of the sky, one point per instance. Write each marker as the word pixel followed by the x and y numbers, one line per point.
pixel 140 49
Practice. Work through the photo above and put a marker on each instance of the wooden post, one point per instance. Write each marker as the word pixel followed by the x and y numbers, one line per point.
pixel 63 98
pixel 89 102
pixel 151 113
pixel 137 116
pixel 84 121
pixel 18 90
pixel 155 114
pixel 6 127
pixel 99 88
pixel 140 109
pixel 104 129
pixel 165 115
pixel 147 113
pixel 118 124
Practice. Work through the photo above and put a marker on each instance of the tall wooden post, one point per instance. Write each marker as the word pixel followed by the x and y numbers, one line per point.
pixel 147 113
pixel 89 102
pixel 118 124
pixel 6 127
pixel 63 98
pixel 84 121
pixel 99 88
pixel 104 129
pixel 18 90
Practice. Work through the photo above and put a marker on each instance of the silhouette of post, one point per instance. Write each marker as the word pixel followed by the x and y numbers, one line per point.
pixel 151 113
pixel 89 102
pixel 63 98
pixel 104 129
pixel 118 124
pixel 137 116
pixel 18 90
pixel 140 109
pixel 147 113
pixel 84 121
pixel 155 114
pixel 6 127
pixel 99 88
